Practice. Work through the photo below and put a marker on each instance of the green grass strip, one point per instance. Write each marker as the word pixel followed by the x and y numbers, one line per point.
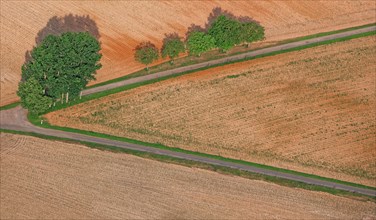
pixel 128 87
pixel 155 68
pixel 9 106
pixel 36 121
pixel 189 163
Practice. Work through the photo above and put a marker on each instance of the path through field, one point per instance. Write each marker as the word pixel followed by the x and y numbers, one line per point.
pixel 15 119
pixel 42 179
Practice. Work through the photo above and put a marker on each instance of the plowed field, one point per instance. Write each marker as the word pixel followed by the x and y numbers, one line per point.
pixel 43 179
pixel 123 24
pixel 311 111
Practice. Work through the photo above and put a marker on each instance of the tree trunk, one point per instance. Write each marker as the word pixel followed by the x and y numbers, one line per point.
pixel 66 101
pixel 80 94
pixel 62 98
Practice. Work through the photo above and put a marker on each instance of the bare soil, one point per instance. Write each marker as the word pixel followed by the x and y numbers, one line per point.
pixel 42 179
pixel 124 24
pixel 310 111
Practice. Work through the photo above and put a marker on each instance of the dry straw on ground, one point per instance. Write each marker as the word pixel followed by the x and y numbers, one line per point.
pixel 43 179
pixel 123 24
pixel 310 110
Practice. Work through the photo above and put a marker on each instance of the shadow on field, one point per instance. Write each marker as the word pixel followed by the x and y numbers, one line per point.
pixel 68 23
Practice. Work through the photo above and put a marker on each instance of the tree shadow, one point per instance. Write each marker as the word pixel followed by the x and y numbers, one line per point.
pixel 68 23
pixel 214 14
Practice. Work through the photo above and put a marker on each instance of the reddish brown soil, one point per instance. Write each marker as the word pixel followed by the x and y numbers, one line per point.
pixel 123 24
pixel 310 110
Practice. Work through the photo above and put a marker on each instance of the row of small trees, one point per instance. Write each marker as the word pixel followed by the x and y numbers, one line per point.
pixel 224 33
pixel 59 69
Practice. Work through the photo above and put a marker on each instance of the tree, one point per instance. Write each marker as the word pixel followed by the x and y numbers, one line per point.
pixel 32 96
pixel 226 32
pixel 251 31
pixel 60 65
pixel 198 42
pixel 64 64
pixel 146 53
pixel 172 47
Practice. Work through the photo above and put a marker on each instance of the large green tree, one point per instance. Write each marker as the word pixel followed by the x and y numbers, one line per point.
pixel 226 32
pixel 32 96
pixel 251 31
pixel 199 42
pixel 172 47
pixel 62 65
pixel 146 53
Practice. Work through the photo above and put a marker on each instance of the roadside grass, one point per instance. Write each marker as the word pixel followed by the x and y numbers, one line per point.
pixel 216 54
pixel 36 121
pixel 194 164
pixel 9 106
pixel 127 87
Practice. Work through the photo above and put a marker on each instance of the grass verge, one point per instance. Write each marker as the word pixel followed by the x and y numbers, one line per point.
pixel 127 87
pixel 216 168
pixel 187 60
pixel 36 121
pixel 9 106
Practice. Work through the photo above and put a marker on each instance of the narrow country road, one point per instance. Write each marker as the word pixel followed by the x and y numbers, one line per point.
pixel 15 119
pixel 226 59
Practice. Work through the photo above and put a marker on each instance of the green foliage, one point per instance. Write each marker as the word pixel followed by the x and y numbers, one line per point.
pixel 59 65
pixel 198 42
pixel 172 47
pixel 250 32
pixel 32 96
pixel 229 32
pixel 226 32
pixel 146 53
pixel 64 63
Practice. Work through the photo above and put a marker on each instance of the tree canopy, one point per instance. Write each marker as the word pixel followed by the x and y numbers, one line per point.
pixel 199 42
pixel 146 53
pixel 226 32
pixel 172 47
pixel 63 64
pixel 32 96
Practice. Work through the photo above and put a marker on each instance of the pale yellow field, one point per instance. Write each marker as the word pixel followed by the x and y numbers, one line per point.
pixel 43 179
pixel 123 24
pixel 311 111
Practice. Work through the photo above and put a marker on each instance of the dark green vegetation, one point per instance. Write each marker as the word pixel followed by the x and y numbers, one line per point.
pixel 127 87
pixel 199 42
pixel 146 53
pixel 216 168
pixel 229 32
pixel 224 33
pixel 172 47
pixel 60 68
pixel 215 54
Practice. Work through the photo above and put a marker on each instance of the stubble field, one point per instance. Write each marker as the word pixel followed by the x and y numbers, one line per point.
pixel 43 179
pixel 124 24
pixel 310 111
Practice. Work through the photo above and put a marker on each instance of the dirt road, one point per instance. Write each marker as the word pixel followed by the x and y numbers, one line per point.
pixel 226 59
pixel 15 119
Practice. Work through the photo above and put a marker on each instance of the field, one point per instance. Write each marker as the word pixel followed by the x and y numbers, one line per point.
pixel 43 179
pixel 121 27
pixel 310 111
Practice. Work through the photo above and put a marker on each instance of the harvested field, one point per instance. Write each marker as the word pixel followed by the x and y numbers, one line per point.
pixel 311 111
pixel 43 179
pixel 123 24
